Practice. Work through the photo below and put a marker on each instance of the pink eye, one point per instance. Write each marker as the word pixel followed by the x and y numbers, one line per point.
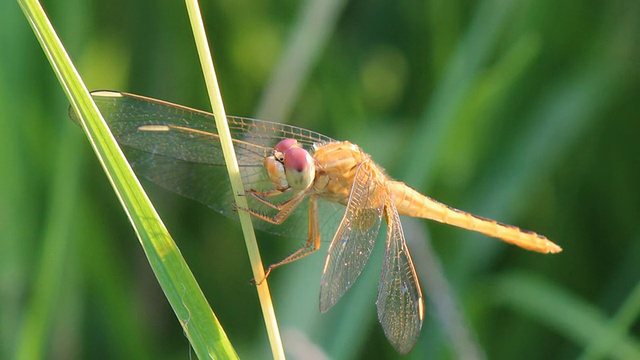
pixel 296 159
pixel 286 144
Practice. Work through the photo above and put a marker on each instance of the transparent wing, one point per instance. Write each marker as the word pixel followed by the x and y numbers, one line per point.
pixel 400 305
pixel 354 240
pixel 178 148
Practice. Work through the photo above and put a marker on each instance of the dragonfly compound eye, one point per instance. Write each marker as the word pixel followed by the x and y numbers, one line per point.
pixel 299 168
pixel 286 144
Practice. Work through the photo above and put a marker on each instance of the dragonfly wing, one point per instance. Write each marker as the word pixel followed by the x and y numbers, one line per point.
pixel 178 148
pixel 354 240
pixel 400 305
pixel 209 184
pixel 128 111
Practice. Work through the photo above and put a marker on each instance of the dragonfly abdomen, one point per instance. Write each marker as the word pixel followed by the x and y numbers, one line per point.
pixel 412 203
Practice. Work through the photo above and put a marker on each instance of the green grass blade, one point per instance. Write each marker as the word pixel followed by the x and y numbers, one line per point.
pixel 215 97
pixel 567 314
pixel 315 23
pixel 196 317
pixel 55 252
pixel 618 327
pixel 440 115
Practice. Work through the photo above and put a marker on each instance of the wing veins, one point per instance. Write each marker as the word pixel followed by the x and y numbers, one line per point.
pixel 353 242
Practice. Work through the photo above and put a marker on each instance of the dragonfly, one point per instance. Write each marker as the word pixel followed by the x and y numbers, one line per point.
pixel 300 183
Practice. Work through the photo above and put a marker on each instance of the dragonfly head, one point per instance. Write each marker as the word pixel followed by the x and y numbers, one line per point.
pixel 290 166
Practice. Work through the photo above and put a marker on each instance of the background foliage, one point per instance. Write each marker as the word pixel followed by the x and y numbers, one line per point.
pixel 522 111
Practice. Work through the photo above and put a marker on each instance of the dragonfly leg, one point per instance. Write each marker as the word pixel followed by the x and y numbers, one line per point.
pixel 284 210
pixel 266 194
pixel 313 242
pixel 263 195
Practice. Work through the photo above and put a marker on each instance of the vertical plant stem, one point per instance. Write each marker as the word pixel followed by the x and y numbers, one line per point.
pixel 206 61
pixel 198 321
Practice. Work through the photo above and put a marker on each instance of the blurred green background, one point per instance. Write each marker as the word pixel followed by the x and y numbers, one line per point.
pixel 527 112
